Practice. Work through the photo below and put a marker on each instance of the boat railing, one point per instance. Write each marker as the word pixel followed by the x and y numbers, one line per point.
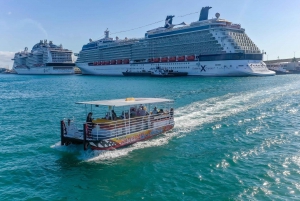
pixel 120 127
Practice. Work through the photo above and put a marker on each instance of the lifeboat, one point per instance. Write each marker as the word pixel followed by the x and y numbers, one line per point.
pixel 164 59
pixel 102 62
pixel 172 59
pixel 119 61
pixel 150 60
pixel 156 60
pixel 181 58
pixel 113 62
pixel 126 61
pixel 99 63
pixel 95 63
pixel 190 58
pixel 107 63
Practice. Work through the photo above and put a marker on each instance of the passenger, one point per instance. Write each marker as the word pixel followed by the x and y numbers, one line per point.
pixel 114 115
pixel 139 110
pixel 161 111
pixel 142 112
pixel 132 112
pixel 89 118
pixel 89 122
pixel 107 116
pixel 171 112
pixel 154 112
pixel 122 115
pixel 145 109
pixel 126 115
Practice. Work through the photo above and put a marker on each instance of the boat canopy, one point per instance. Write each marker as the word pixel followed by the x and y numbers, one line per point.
pixel 127 101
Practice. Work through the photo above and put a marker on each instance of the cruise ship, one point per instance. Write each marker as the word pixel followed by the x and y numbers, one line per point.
pixel 44 59
pixel 207 47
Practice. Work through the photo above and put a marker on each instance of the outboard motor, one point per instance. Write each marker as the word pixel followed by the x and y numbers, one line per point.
pixel 168 22
pixel 204 13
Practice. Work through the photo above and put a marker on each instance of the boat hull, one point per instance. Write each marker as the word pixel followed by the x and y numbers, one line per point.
pixel 136 73
pixel 117 142
pixel 193 68
pixel 48 70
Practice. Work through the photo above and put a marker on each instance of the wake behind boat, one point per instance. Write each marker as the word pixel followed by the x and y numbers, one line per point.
pixel 122 122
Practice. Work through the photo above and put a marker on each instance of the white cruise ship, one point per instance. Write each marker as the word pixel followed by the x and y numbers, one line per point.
pixel 44 59
pixel 207 47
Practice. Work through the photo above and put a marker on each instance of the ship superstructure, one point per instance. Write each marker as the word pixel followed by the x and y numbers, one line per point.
pixel 207 47
pixel 44 58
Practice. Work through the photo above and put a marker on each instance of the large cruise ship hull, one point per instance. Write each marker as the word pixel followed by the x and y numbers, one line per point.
pixel 48 70
pixel 193 68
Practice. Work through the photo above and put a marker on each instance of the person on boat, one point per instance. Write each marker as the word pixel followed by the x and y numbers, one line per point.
pixel 89 118
pixel 139 110
pixel 132 112
pixel 171 112
pixel 161 111
pixel 89 122
pixel 122 115
pixel 154 111
pixel 107 116
pixel 145 109
pixel 114 115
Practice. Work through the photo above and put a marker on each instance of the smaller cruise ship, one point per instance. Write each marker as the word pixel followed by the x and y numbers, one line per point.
pixel 44 59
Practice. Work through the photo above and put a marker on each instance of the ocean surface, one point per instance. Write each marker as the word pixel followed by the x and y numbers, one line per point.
pixel 234 139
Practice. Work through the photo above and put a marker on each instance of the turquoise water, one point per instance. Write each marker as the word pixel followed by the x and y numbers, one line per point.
pixel 234 139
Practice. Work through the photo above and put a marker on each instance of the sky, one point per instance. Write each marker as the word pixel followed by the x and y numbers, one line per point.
pixel 273 25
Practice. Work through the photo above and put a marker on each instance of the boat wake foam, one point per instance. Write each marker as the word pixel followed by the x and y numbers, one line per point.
pixel 194 115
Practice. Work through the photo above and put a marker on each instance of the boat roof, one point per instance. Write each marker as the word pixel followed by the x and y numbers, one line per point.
pixel 127 101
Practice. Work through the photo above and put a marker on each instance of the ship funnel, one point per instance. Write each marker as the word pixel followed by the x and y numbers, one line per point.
pixel 168 22
pixel 204 13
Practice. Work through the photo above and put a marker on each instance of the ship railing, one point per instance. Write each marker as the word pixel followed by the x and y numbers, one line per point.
pixel 121 127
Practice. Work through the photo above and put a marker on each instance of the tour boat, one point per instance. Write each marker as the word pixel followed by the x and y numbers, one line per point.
pixel 123 122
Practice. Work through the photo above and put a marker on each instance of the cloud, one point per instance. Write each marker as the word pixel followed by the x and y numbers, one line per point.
pixel 9 13
pixel 5 58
